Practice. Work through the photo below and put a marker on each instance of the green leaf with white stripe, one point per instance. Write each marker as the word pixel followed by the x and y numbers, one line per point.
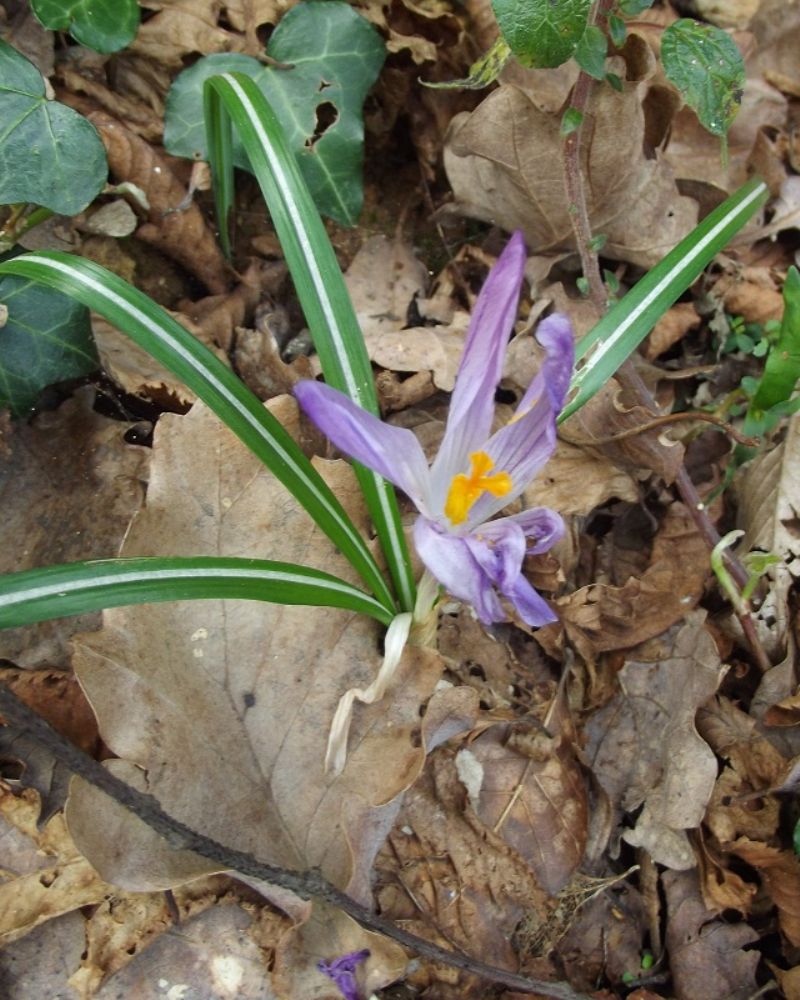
pixel 611 341
pixel 233 99
pixel 168 342
pixel 325 57
pixel 76 588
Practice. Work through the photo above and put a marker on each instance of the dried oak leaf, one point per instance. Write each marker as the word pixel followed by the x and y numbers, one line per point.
pixel 706 956
pixel 644 749
pixel 225 706
pixel 600 618
pixel 180 233
pixel 504 163
pixel 67 491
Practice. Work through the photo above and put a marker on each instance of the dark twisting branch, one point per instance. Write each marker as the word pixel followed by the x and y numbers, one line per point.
pixel 307 885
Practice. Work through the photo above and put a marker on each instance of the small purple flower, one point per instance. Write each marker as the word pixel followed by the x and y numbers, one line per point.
pixel 342 972
pixel 476 473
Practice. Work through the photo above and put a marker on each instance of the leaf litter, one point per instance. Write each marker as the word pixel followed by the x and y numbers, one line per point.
pixel 499 797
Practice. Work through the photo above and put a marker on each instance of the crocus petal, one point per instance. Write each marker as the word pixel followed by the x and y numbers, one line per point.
pixel 342 971
pixel 523 446
pixel 499 548
pixel 394 452
pixel 450 560
pixel 472 403
pixel 557 337
pixel 531 607
pixel 540 525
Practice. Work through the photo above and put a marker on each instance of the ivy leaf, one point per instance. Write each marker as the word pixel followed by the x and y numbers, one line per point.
pixel 541 33
pixel 328 57
pixel 590 54
pixel 707 68
pixel 47 338
pixel 102 25
pixel 49 154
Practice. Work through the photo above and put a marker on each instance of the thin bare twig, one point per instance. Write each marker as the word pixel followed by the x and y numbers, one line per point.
pixel 307 885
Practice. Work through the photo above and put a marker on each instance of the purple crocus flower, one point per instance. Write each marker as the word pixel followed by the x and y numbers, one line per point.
pixel 476 473
pixel 343 972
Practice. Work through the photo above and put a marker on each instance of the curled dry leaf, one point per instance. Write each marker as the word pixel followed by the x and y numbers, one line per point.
pixel 504 163
pixel 676 322
pixel 225 706
pixel 575 481
pixel 707 957
pixel 644 749
pixel 599 618
pixel 780 873
pixel 67 491
pixel 180 233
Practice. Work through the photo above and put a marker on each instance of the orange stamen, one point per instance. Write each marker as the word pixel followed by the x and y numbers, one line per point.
pixel 465 490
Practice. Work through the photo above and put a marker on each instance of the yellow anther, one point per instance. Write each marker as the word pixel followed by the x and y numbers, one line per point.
pixel 465 490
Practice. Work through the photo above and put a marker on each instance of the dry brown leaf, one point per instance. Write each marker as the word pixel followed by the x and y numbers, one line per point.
pixel 722 888
pixel 133 940
pixel 182 27
pixel 141 117
pixel 706 955
pixel 644 748
pixel 610 412
pixel 600 617
pixel 789 981
pixel 67 492
pixel 529 790
pixel 56 696
pixel 504 164
pixel 780 873
pixel 180 233
pixel 39 890
pixel 225 706
pixel 247 15
pixel 450 881
pixel 137 372
pixel 676 322
pixel 575 481
pixel 383 279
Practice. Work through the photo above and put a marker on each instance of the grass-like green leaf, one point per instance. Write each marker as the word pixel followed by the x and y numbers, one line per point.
pixel 782 367
pixel 234 98
pixel 76 588
pixel 47 338
pixel 102 25
pixel 168 342
pixel 49 154
pixel 611 341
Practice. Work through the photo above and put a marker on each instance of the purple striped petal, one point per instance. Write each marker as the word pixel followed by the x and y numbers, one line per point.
pixel 472 403
pixel 541 526
pixel 450 560
pixel 523 446
pixel 499 549
pixel 394 452
pixel 557 337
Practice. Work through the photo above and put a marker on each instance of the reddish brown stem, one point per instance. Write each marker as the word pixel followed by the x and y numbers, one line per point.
pixel 627 375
